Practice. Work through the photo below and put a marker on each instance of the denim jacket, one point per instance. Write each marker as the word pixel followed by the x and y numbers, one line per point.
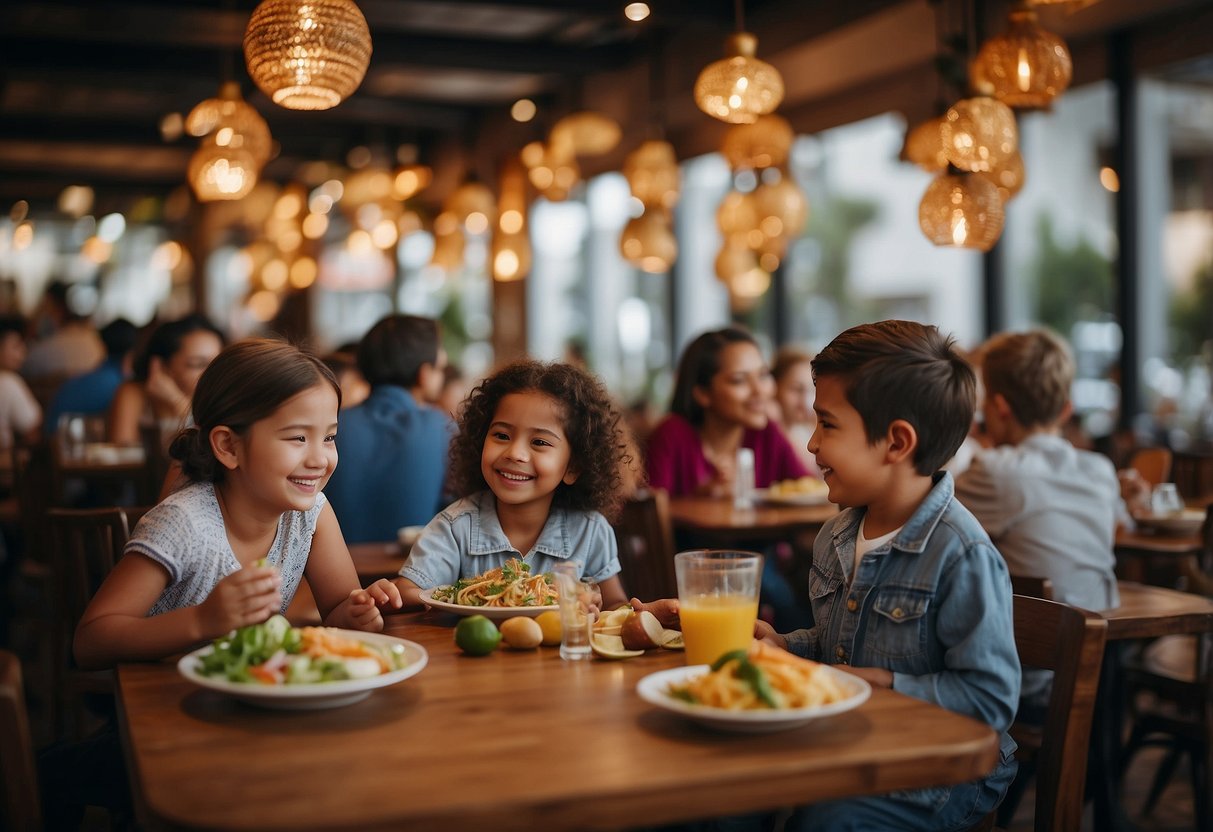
pixel 466 540
pixel 933 605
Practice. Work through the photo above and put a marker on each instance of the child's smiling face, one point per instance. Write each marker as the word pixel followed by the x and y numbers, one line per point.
pixel 852 466
pixel 526 454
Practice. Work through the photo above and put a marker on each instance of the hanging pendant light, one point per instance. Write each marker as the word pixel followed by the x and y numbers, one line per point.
pixel 307 54
pixel 762 144
pixel 961 210
pixel 221 173
pixel 781 204
pixel 739 88
pixel 979 133
pixel 584 133
pixel 924 145
pixel 1007 177
pixel 652 174
pixel 648 242
pixel 1025 67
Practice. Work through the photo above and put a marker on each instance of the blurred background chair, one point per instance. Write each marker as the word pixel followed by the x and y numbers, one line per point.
pixel 646 546
pixel 1153 464
pixel 1032 586
pixel 1069 642
pixel 86 544
pixel 20 809
pixel 1193 476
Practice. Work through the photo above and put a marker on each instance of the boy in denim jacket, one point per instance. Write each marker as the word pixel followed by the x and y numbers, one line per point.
pixel 908 592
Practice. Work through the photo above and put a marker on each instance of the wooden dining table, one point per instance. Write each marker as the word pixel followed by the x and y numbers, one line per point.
pixel 716 521
pixel 1142 553
pixel 510 741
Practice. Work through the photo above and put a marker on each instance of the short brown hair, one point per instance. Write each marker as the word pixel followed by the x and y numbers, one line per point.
pixel 1032 370
pixel 905 370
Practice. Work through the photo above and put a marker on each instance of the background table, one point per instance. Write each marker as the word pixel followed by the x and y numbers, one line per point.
pixel 714 519
pixel 514 740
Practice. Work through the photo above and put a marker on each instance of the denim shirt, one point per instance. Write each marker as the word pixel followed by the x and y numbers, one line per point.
pixel 466 540
pixel 933 605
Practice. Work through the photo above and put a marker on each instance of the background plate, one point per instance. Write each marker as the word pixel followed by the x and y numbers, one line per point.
pixel 494 613
pixel 764 495
pixel 1186 522
pixel 654 690
pixel 308 697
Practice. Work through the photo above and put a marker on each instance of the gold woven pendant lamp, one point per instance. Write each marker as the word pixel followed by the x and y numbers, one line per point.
pixel 739 88
pixel 221 173
pixel 648 241
pixel 307 54
pixel 1025 67
pixel 924 145
pixel 961 210
pixel 979 133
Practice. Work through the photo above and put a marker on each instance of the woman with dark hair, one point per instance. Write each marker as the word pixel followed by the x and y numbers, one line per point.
pixel 166 371
pixel 723 396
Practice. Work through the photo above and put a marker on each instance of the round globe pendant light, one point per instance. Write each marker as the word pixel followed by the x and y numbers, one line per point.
pixel 739 88
pixel 307 54
pixel 221 173
pixel 979 133
pixel 1025 67
pixel 961 210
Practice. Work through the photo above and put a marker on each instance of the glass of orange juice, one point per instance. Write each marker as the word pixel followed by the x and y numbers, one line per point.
pixel 717 601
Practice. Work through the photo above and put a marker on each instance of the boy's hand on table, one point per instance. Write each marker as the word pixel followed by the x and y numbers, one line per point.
pixel 666 610
pixel 385 594
pixel 765 632
pixel 357 612
pixel 877 677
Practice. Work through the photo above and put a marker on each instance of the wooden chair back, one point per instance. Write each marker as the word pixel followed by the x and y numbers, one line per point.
pixel 1153 464
pixel 1193 476
pixel 20 807
pixel 646 546
pixel 33 483
pixel 1032 586
pixel 1070 642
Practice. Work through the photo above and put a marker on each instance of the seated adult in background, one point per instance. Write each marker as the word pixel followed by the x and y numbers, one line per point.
pixel 393 446
pixel 94 391
pixel 343 361
pixel 20 413
pixel 723 396
pixel 1049 507
pixel 166 371
pixel 67 344
pixel 794 392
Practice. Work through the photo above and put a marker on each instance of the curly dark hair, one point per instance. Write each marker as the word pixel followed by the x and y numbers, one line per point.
pixel 599 444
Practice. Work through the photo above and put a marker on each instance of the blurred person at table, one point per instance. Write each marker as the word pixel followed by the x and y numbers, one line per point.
pixel 793 374
pixel 93 392
pixel 1050 508
pixel 166 371
pixel 230 548
pixel 65 344
pixel 455 388
pixel 343 361
pixel 908 591
pixel 540 461
pixel 723 397
pixel 20 414
pixel 393 446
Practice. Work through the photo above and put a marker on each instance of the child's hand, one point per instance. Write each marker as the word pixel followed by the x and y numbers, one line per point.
pixel 161 387
pixel 877 677
pixel 666 610
pixel 765 632
pixel 245 597
pixel 357 612
pixel 385 594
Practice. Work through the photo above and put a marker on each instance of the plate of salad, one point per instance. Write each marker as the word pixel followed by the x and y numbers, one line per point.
pixel 275 665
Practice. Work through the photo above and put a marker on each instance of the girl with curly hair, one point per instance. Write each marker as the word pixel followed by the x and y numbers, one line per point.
pixel 230 548
pixel 541 455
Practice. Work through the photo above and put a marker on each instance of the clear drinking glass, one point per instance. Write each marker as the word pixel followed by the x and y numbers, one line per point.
pixel 717 601
pixel 1166 500
pixel 580 601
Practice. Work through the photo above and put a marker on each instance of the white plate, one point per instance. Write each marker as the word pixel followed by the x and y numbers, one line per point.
pixel 1186 522
pixel 654 689
pixel 805 499
pixel 318 695
pixel 494 613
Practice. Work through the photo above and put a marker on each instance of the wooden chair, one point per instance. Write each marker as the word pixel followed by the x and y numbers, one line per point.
pixel 20 807
pixel 646 546
pixel 1070 642
pixel 1193 476
pixel 86 544
pixel 1153 464
pixel 1032 586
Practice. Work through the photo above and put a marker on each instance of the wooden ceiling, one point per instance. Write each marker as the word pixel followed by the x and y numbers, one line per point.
pixel 84 84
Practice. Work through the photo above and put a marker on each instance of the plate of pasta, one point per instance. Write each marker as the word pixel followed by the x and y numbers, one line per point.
pixel 500 593
pixel 757 691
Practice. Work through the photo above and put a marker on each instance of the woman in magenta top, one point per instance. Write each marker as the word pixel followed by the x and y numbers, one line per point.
pixel 722 400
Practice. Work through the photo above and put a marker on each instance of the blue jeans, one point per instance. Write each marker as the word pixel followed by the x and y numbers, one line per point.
pixel 941 809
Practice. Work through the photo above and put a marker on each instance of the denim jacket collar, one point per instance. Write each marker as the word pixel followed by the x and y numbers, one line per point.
pixel 917 530
pixel 488 538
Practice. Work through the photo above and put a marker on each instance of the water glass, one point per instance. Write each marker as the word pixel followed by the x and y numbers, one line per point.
pixel 1166 500
pixel 580 601
pixel 717 601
